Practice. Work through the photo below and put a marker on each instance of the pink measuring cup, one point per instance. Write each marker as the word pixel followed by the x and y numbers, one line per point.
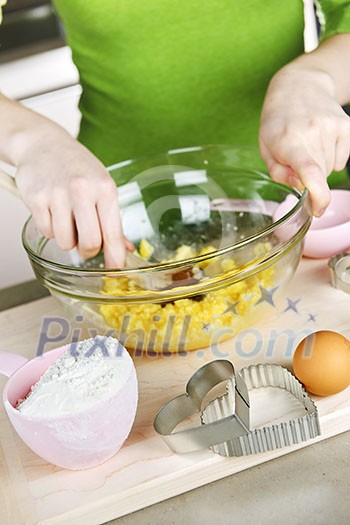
pixel 78 441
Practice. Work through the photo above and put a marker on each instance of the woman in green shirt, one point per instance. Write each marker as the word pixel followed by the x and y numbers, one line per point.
pixel 169 74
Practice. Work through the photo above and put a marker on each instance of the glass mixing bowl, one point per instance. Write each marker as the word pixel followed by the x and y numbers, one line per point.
pixel 202 219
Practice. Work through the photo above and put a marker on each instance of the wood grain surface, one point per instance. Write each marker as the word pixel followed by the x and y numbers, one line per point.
pixel 145 471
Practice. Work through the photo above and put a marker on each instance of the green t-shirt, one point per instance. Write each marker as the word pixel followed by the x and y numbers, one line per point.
pixel 167 74
pixel 164 74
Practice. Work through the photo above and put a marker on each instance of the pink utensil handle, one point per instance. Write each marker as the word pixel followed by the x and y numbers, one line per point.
pixel 9 362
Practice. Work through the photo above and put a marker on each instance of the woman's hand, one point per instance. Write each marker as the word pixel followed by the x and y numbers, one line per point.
pixel 67 189
pixel 304 132
pixel 71 197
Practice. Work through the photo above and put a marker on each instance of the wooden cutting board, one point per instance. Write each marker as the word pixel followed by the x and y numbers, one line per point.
pixel 145 471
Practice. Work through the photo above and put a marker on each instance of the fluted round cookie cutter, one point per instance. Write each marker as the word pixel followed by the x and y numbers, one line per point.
pixel 225 421
pixel 339 266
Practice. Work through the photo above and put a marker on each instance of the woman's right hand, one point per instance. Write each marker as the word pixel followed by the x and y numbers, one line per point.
pixel 67 189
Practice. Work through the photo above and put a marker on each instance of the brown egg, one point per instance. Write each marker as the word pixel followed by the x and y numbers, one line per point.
pixel 322 363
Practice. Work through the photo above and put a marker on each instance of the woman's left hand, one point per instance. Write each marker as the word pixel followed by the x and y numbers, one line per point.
pixel 304 132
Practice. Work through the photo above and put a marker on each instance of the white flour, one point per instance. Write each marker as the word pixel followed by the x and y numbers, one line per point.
pixel 89 372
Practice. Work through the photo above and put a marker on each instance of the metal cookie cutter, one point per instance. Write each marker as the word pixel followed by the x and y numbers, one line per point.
pixel 339 266
pixel 225 420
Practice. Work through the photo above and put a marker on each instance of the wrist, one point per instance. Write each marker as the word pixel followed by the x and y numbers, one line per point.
pixel 41 136
pixel 298 76
pixel 24 131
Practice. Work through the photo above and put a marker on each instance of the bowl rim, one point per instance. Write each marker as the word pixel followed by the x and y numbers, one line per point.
pixel 125 272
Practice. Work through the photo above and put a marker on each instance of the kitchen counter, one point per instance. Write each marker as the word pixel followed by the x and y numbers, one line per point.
pixel 308 486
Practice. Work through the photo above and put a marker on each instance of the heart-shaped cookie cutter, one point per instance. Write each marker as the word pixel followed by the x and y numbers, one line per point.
pixel 185 405
pixel 225 421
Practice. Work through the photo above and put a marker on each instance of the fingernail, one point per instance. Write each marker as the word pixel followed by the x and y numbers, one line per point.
pixel 319 213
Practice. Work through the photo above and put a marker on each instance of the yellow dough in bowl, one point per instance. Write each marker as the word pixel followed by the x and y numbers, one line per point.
pixel 188 323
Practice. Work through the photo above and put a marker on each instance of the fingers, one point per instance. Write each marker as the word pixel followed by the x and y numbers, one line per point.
pixel 42 218
pixel 294 180
pixel 285 175
pixel 111 228
pixel 38 204
pixel 304 134
pixel 342 152
pixel 97 219
pixel 63 224
pixel 87 226
pixel 77 218
pixel 289 162
pixel 89 238
pixel 129 245
pixel 280 172
pixel 314 178
pixel 73 198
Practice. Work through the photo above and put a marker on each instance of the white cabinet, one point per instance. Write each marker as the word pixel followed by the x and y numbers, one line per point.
pixel 14 266
pixel 60 105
